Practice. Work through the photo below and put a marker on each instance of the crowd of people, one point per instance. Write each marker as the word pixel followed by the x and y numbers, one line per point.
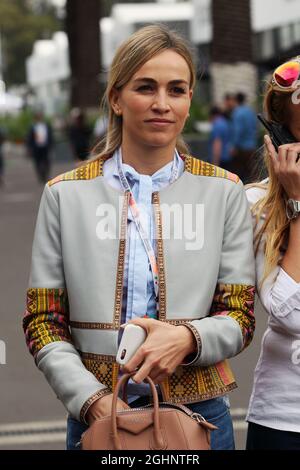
pixel 233 138
pixel 80 135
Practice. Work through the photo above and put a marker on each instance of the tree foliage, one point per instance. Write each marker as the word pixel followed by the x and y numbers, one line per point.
pixel 21 24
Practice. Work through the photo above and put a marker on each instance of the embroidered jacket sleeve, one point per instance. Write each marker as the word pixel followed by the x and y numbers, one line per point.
pixel 229 327
pixel 46 320
pixel 279 294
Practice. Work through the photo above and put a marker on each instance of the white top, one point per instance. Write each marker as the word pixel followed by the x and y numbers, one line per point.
pixel 275 399
pixel 41 134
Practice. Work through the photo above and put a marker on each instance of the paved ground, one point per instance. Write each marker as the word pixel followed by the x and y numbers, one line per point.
pixel 31 417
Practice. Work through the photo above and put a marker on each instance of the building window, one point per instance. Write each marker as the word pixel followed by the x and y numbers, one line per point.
pixel 296 33
pixel 285 37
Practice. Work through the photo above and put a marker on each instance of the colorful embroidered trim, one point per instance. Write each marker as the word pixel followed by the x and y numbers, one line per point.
pixel 162 300
pixel 236 301
pixel 104 368
pixel 85 172
pixel 84 325
pixel 191 384
pixel 46 318
pixel 201 168
pixel 194 356
pixel 101 393
pixel 191 164
pixel 186 385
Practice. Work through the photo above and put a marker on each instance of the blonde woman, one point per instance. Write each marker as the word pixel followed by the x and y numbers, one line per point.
pixel 274 413
pixel 148 234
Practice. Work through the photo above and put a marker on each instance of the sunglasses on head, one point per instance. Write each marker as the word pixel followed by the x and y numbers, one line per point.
pixel 286 77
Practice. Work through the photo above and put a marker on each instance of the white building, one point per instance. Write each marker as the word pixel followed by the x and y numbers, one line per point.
pixel 126 18
pixel 275 29
pixel 275 24
pixel 48 73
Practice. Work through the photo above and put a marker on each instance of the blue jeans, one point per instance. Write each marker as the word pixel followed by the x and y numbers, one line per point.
pixel 216 411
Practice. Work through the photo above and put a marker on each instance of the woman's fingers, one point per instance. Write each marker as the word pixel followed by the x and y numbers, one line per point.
pixel 289 155
pixel 286 166
pixel 269 145
pixel 286 158
pixel 135 361
pixel 291 159
pixel 282 157
pixel 164 348
pixel 288 152
pixel 272 152
pixel 142 373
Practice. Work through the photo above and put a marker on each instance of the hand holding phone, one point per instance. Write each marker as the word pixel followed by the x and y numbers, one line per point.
pixel 133 337
pixel 279 134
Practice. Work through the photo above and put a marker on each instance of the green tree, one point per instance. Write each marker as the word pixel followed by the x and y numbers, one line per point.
pixel 21 24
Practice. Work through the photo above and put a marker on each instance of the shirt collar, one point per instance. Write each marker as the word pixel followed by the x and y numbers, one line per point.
pixel 160 176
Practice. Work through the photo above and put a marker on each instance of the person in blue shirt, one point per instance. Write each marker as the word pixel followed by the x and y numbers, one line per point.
pixel 244 138
pixel 219 142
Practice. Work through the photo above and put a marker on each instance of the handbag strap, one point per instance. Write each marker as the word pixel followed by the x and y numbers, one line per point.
pixel 197 416
pixel 157 435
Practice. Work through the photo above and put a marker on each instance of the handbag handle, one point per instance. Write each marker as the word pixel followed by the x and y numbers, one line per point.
pixel 157 435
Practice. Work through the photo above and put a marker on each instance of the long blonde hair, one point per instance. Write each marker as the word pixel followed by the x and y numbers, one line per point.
pixel 275 228
pixel 130 56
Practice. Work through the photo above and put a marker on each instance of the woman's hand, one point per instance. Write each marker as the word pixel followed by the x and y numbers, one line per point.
pixel 164 349
pixel 285 166
pixel 102 407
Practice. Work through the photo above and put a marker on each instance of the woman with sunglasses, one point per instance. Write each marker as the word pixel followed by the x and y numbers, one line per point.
pixel 143 233
pixel 274 411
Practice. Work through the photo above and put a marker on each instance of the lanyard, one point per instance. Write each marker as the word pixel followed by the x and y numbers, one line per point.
pixel 136 217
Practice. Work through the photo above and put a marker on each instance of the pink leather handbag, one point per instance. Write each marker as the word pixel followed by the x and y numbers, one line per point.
pixel 163 426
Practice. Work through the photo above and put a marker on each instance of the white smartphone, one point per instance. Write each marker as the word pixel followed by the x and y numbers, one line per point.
pixel 133 337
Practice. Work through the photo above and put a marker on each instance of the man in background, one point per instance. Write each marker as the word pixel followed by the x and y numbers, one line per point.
pixel 220 139
pixel 244 138
pixel 39 143
pixel 79 135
